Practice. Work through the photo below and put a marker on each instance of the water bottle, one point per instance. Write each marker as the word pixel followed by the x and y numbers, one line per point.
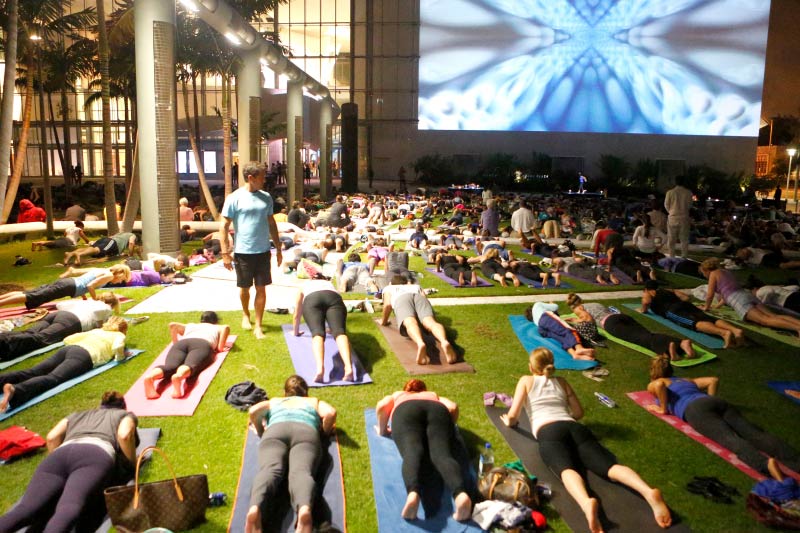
pixel 486 460
pixel 605 400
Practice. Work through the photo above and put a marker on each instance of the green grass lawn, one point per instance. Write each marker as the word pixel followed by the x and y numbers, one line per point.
pixel 211 440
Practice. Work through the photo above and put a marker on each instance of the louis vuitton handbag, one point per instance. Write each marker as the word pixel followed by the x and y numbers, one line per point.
pixel 177 504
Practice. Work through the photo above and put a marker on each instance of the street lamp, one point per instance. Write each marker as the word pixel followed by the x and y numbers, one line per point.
pixel 791 152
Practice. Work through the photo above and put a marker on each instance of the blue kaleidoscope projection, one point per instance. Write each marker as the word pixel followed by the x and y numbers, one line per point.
pixel 688 67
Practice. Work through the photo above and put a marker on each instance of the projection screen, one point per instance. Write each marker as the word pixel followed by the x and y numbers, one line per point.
pixel 684 67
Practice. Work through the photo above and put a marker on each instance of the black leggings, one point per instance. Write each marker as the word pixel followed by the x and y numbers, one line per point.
pixel 718 420
pixel 53 328
pixel 325 306
pixel 413 423
pixel 65 364
pixel 71 476
pixel 194 353
pixel 793 302
pixel 568 445
pixel 491 267
pixel 526 270
pixel 452 271
pixel 627 329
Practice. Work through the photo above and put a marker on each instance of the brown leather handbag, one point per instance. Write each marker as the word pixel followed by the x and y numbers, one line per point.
pixel 176 504
pixel 509 485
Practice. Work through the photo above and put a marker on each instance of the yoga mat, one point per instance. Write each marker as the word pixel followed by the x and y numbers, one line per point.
pixel 528 335
pixel 166 405
pixel 45 349
pixel 780 386
pixel 406 352
pixel 704 355
pixel 784 336
pixel 538 283
pixel 709 341
pixel 13 312
pixel 69 383
pixel 454 283
pixel 644 398
pixel 329 508
pixel 622 510
pixel 436 509
pixel 305 366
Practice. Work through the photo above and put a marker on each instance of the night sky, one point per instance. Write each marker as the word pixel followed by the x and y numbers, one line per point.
pixel 782 77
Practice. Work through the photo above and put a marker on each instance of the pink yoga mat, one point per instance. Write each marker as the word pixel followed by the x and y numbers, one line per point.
pixel 644 398
pixel 166 405
pixel 13 312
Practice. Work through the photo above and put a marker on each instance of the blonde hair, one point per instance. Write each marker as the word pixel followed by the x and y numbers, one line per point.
pixel 183 201
pixel 121 271
pixel 116 323
pixel 110 299
pixel 711 264
pixel 573 300
pixel 541 362
pixel 492 253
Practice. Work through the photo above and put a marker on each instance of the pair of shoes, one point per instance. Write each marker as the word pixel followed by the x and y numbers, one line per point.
pixel 278 311
pixel 713 489
pixel 597 373
pixel 138 320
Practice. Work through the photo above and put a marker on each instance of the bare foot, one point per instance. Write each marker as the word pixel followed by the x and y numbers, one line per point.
pixel 586 354
pixel 461 279
pixel 503 282
pixel 422 355
pixel 600 280
pixel 177 389
pixel 450 353
pixel 590 510
pixel 409 511
pixel 304 522
pixel 150 389
pixel 319 377
pixel 474 281
pixel 8 393
pixel 688 349
pixel 246 323
pixel 792 393
pixel 660 509
pixel 463 507
pixel 67 273
pixel 516 281
pixel 741 340
pixel 252 522
pixel 259 333
pixel 557 277
pixel 614 279
pixel 348 376
pixel 728 338
pixel 774 469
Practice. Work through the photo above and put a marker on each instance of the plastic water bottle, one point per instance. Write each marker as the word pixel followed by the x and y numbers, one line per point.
pixel 486 460
pixel 605 400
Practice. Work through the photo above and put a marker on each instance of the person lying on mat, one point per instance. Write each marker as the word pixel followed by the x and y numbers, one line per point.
pixel 290 449
pixel 552 326
pixel 455 267
pixel 532 271
pixel 318 303
pixel 412 308
pixel 695 401
pixel 494 268
pixel 144 276
pixel 723 283
pixel 676 307
pixel 193 348
pixel 422 422
pixel 626 328
pixel 88 452
pixel 582 267
pixel 568 447
pixel 71 316
pixel 354 272
pixel 786 296
pixel 68 287
pixel 82 352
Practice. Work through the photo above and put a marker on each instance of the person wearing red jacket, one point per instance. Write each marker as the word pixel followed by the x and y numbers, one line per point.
pixel 30 213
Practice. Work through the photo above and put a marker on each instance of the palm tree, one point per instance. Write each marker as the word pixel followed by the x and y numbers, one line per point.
pixel 108 178
pixel 11 9
pixel 47 21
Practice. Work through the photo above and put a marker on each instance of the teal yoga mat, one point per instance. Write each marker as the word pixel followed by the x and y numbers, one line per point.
pixel 715 343
pixel 528 335
pixel 45 349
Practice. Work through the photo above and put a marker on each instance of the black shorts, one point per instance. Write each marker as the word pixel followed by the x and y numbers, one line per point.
pixel 252 269
pixel 107 246
pixel 63 288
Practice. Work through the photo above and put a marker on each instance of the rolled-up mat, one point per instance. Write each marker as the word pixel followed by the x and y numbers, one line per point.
pixel 165 405
pixel 709 341
pixel 305 366
pixel 528 334
pixel 406 352
pixel 622 510
pixel 329 508
pixel 436 508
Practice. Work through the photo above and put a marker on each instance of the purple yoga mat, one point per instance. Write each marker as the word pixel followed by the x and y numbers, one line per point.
pixel 481 282
pixel 303 360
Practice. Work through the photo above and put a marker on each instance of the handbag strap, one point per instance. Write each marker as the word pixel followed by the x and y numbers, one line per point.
pixel 495 478
pixel 139 460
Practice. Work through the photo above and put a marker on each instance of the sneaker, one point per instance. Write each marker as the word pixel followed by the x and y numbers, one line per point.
pixel 368 307
pixel 138 320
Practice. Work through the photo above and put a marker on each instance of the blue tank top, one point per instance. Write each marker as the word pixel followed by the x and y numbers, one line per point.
pixel 304 414
pixel 681 393
pixel 82 283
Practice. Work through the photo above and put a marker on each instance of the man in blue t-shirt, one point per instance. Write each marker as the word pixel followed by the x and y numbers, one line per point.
pixel 250 211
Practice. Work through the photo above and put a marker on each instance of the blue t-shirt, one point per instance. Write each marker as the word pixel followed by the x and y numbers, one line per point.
pixel 82 282
pixel 249 212
pixel 681 393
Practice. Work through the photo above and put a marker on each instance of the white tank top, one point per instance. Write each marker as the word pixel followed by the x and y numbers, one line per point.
pixel 547 402
pixel 315 285
pixel 207 332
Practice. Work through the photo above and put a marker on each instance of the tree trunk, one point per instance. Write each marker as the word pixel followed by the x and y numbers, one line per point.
pixel 199 138
pixel 201 175
pixel 128 163
pixel 227 151
pixel 134 192
pixel 7 106
pixel 67 161
pixel 108 168
pixel 59 149
pixel 19 156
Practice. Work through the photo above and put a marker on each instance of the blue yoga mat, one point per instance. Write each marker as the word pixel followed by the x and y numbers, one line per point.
pixel 709 341
pixel 45 349
pixel 528 335
pixel 538 283
pixel 304 365
pixel 390 492
pixel 780 386
pixel 68 384
pixel 332 491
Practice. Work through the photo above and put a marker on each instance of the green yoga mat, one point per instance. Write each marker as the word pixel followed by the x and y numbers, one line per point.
pixel 785 336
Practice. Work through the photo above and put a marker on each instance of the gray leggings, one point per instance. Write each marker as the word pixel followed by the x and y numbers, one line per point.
pixel 292 446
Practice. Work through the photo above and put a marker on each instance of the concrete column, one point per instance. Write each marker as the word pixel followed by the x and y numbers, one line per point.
pixel 248 84
pixel 294 109
pixel 154 22
pixel 324 166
